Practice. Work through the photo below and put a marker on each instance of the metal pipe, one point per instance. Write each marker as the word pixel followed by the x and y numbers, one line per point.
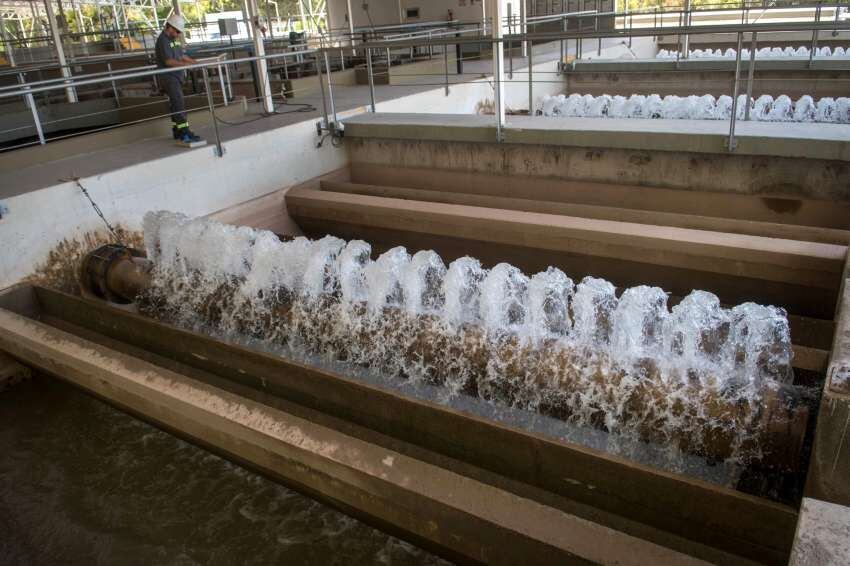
pixel 219 148
pixel 750 72
pixel 731 143
pixel 371 77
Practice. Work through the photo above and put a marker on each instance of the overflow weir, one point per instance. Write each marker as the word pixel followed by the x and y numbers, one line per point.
pixel 614 343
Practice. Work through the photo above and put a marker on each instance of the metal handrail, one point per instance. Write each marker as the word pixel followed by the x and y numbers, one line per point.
pixel 111 74
pixel 450 37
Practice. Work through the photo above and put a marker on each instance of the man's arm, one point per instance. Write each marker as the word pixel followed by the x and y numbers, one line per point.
pixel 182 62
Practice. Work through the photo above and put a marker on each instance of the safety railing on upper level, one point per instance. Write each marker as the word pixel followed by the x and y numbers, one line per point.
pixel 441 40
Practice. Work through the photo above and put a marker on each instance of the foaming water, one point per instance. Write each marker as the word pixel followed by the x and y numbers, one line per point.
pixel 84 483
pixel 694 379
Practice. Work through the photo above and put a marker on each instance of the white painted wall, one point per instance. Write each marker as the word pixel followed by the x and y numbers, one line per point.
pixel 193 182
pixel 393 12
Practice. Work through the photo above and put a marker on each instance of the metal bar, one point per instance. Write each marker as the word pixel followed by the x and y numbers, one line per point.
pixel 530 80
pixel 36 120
pixel 221 83
pixel 814 37
pixel 750 72
pixel 596 28
pixel 445 66
pixel 114 88
pixel 371 77
pixel 731 142
pixel 322 88
pixel 229 84
pixel 219 150
pixel 563 45
pixel 510 51
pixel 330 87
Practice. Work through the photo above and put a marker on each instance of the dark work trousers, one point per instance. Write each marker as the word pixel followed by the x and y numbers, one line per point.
pixel 174 89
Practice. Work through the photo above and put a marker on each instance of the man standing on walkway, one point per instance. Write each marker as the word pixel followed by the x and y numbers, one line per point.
pixel 169 53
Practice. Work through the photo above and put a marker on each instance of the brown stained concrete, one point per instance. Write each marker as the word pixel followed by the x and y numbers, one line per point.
pixel 468 520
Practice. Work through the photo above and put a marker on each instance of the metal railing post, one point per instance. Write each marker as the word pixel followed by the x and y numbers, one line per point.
pixel 814 37
pixel 36 120
pixel 322 88
pixel 371 77
pixel 221 84
pixel 596 28
pixel 445 66
pixel 731 143
pixel 563 47
pixel 750 72
pixel 114 88
pixel 510 32
pixel 219 151
pixel 330 87
pixel 530 80
pixel 227 79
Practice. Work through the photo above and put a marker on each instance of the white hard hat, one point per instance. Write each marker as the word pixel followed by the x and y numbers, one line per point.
pixel 175 21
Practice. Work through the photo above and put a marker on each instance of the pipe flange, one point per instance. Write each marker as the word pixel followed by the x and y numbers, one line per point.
pixel 95 268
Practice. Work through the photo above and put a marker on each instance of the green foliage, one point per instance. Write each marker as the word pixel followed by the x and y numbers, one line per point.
pixel 648 5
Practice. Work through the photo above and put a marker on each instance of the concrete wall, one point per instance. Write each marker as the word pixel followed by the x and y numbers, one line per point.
pixel 393 12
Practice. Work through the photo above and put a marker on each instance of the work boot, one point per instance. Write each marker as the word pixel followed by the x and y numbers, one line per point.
pixel 187 136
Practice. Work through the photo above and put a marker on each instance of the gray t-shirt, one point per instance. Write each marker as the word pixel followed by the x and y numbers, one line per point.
pixel 167 48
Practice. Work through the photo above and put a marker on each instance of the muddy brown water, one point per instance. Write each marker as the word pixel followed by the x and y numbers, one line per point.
pixel 83 483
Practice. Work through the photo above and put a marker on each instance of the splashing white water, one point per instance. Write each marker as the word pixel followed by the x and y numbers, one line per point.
pixel 763 53
pixel 627 364
pixel 706 107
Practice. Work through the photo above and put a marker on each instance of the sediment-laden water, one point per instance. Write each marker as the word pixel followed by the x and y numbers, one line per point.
pixel 82 483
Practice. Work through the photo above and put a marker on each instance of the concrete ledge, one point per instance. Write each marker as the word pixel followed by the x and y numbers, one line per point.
pixel 814 141
pixel 822 534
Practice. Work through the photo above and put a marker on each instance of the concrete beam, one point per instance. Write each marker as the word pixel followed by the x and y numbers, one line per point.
pixel 804 263
pixel 524 202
